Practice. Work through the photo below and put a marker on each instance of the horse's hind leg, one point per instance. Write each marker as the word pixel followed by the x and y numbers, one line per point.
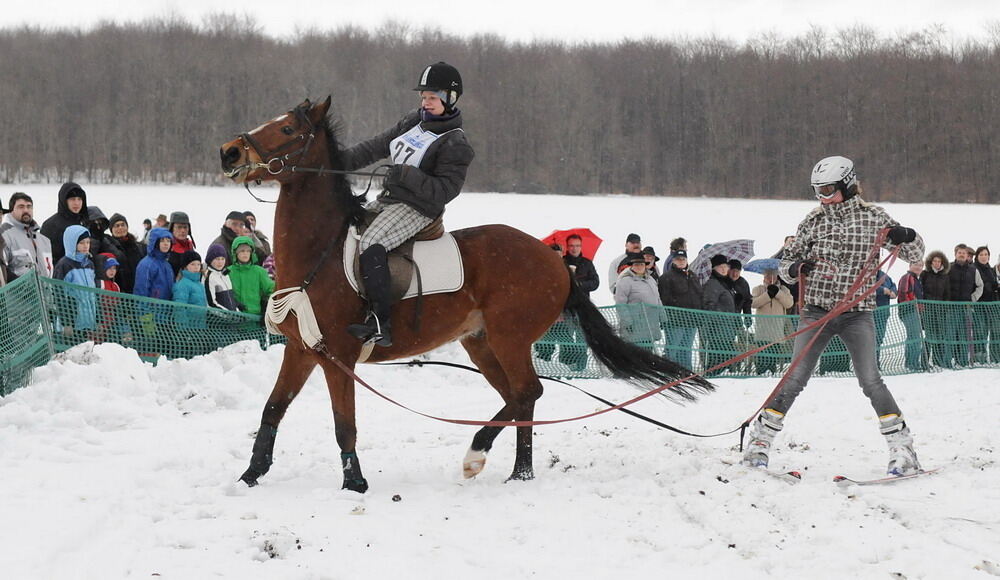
pixel 519 398
pixel 341 388
pixel 296 365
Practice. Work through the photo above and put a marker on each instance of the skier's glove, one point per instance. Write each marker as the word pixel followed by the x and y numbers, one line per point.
pixel 803 267
pixel 900 235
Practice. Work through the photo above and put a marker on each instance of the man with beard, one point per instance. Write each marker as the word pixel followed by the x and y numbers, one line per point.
pixel 25 248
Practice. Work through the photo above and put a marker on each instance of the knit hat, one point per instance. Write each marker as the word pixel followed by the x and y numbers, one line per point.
pixel 215 251
pixel 188 257
pixel 236 215
pixel 735 264
pixel 633 238
pixel 115 218
pixel 718 260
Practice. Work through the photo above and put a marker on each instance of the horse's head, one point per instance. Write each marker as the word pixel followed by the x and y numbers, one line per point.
pixel 285 141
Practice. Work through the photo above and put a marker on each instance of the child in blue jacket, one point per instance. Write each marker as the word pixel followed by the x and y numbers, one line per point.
pixel 189 290
pixel 78 308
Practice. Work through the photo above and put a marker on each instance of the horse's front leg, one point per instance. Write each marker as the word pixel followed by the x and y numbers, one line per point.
pixel 341 388
pixel 296 365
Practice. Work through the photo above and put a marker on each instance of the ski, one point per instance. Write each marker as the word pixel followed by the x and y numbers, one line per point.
pixel 786 476
pixel 845 481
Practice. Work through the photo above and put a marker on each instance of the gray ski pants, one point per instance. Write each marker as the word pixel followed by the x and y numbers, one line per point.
pixel 857 331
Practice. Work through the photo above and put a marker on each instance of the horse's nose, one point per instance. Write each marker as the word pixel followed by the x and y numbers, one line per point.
pixel 229 157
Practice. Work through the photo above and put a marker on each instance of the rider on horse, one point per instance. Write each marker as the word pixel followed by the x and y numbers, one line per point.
pixel 430 156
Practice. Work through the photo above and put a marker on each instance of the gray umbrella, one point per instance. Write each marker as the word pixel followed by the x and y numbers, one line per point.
pixel 741 250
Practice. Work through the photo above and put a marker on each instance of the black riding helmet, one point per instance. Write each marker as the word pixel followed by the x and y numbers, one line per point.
pixel 443 77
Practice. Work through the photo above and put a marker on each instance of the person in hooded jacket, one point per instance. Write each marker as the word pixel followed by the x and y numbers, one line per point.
pixel 251 284
pixel 77 306
pixel 127 251
pixel 98 225
pixel 430 156
pixel 71 210
pixel 154 278
pixel 937 288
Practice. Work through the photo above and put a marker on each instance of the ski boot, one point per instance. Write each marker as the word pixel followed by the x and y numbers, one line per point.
pixel 762 433
pixel 902 458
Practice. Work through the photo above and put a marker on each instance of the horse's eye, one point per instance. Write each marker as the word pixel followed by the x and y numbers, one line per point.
pixel 287 130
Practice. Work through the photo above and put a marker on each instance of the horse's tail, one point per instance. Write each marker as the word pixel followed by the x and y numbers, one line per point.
pixel 627 361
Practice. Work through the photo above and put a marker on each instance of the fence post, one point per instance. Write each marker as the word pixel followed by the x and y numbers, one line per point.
pixel 46 314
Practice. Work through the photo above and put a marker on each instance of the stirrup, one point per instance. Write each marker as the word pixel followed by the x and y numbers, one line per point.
pixel 370 331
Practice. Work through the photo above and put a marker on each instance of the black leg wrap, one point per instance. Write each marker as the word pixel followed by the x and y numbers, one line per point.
pixel 263 449
pixel 353 480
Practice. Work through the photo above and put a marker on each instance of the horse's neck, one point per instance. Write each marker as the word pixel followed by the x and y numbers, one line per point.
pixel 307 220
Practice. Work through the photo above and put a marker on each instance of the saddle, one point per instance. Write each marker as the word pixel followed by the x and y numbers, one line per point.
pixel 427 263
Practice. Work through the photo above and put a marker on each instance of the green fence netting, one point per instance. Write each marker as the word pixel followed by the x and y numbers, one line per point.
pixel 911 337
pixel 40 317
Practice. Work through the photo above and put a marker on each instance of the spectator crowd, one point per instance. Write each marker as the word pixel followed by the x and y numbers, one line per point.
pixel 80 245
pixel 956 336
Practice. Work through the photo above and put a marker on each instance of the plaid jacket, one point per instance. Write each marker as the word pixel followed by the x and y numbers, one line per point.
pixel 838 237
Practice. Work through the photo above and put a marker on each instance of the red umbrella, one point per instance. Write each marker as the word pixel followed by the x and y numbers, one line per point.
pixel 590 240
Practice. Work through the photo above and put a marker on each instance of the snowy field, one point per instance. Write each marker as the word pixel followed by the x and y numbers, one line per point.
pixel 112 468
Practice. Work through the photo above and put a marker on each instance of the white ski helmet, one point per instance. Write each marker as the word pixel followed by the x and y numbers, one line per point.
pixel 833 174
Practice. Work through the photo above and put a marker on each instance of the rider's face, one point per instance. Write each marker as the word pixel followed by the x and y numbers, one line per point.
pixel 430 102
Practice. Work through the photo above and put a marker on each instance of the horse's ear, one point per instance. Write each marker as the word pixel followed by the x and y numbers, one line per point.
pixel 318 111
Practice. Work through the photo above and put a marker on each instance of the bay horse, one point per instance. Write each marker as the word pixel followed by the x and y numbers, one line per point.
pixel 515 288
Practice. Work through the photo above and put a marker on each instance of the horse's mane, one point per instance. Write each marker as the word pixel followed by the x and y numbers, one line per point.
pixel 352 205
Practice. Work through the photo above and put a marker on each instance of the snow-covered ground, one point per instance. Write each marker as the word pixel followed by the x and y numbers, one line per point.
pixel 112 468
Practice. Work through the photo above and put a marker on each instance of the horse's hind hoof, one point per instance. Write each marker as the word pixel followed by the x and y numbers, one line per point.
pixel 358 485
pixel 473 464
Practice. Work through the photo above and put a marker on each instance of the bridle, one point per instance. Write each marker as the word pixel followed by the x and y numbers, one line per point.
pixel 306 137
pixel 277 163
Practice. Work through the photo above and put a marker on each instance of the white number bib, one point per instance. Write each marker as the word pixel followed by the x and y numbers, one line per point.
pixel 410 147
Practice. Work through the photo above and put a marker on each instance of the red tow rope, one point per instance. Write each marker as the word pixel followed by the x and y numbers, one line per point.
pixel 838 309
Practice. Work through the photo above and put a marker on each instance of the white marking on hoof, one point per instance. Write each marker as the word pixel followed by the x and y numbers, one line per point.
pixel 474 462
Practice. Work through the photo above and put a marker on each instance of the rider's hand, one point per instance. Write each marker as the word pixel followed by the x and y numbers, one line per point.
pixel 901 235
pixel 803 267
pixel 393 176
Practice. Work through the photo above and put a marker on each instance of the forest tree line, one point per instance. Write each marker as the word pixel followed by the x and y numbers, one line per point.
pixel 153 101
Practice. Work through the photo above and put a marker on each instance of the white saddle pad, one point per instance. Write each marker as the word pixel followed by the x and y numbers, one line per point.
pixel 439 261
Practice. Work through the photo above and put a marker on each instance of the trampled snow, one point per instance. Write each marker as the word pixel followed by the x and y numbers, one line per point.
pixel 113 468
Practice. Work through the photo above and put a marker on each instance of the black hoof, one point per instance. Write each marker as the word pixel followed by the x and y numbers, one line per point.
pixel 358 485
pixel 249 477
pixel 526 475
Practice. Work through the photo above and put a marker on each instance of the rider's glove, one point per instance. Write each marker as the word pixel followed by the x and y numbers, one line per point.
pixel 393 177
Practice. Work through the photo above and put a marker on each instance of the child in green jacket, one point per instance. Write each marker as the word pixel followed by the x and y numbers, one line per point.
pixel 251 284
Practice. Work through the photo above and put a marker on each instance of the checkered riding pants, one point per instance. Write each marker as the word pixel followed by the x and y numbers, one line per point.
pixel 394 224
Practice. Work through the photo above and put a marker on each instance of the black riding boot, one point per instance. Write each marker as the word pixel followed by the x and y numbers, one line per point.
pixel 375 273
